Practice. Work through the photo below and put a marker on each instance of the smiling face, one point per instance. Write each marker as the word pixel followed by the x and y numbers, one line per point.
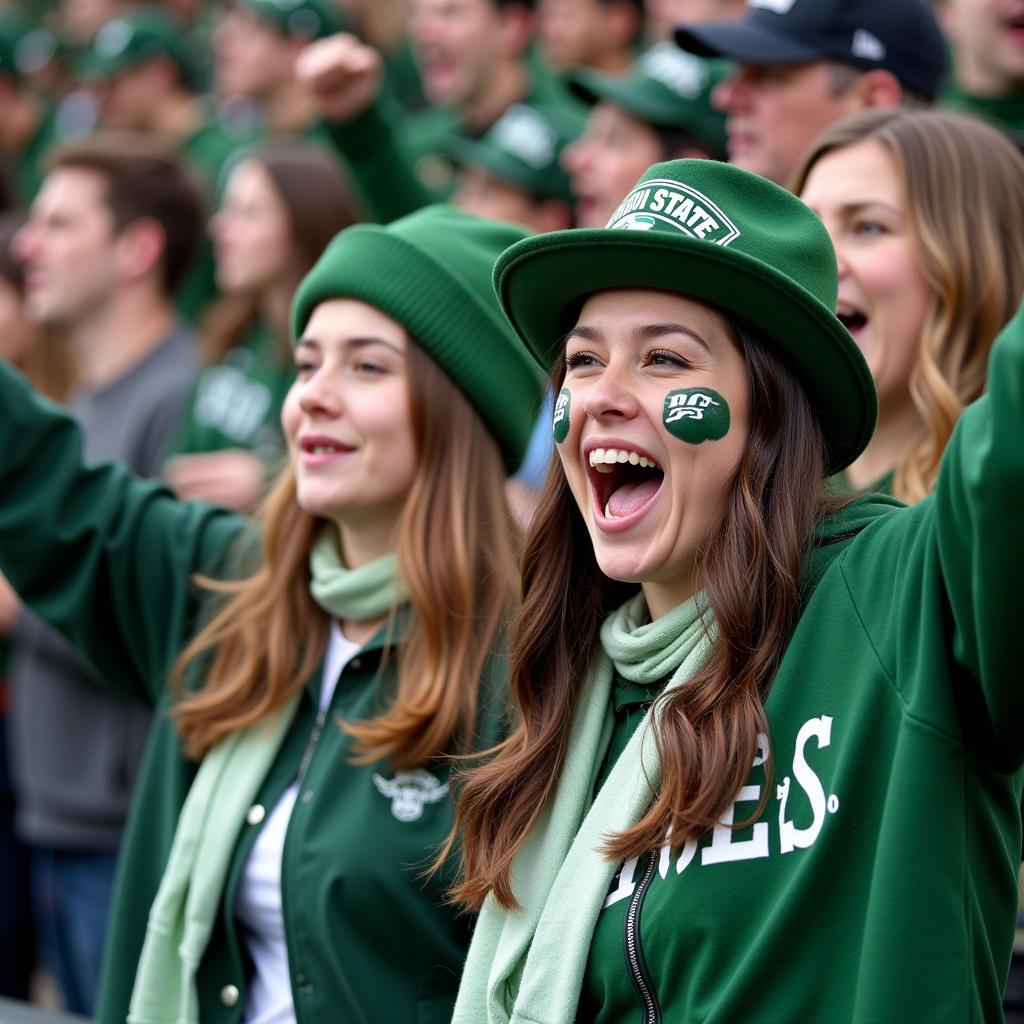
pixel 651 495
pixel 988 44
pixel 883 296
pixel 348 424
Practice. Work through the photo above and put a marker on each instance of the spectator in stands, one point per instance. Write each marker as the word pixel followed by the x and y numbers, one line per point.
pixel 107 240
pixel 282 204
pixel 663 17
pixel 923 208
pixel 807 63
pixel 598 34
pixel 660 111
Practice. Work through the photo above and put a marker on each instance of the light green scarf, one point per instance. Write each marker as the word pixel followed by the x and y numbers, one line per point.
pixel 526 966
pixel 189 897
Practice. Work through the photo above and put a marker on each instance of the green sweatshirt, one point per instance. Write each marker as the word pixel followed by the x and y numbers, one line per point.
pixel 880 882
pixel 108 560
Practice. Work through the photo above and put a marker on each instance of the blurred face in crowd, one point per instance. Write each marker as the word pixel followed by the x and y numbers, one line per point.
pixel 486 195
pixel 606 161
pixel 251 57
pixel 80 20
pixel 347 418
pixel 629 348
pixel 586 33
pixel 988 44
pixel 883 295
pixel 127 99
pixel 664 15
pixel 68 247
pixel 458 45
pixel 252 233
pixel 775 112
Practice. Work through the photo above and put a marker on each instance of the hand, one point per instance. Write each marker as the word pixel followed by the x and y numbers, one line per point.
pixel 10 606
pixel 233 478
pixel 343 75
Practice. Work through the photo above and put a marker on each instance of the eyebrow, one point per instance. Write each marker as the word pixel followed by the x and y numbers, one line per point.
pixel 641 333
pixel 350 343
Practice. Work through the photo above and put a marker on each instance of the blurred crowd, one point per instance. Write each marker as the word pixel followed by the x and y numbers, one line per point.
pixel 169 173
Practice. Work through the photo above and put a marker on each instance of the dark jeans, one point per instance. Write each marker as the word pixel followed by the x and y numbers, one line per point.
pixel 71 892
pixel 17 944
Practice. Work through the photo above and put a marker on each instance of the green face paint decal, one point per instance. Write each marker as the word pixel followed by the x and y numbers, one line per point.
pixel 560 423
pixel 696 414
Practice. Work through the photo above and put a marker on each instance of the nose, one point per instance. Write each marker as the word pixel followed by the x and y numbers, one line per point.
pixel 319 395
pixel 574 156
pixel 610 397
pixel 24 243
pixel 730 94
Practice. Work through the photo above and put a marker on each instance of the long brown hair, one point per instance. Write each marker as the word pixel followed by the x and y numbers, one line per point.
pixel 963 191
pixel 749 569
pixel 456 557
pixel 313 188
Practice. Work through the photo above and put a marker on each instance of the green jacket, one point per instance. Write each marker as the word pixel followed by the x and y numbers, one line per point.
pixel 108 560
pixel 880 882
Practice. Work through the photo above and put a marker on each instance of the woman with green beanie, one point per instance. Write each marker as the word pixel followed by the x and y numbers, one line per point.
pixel 767 765
pixel 276 866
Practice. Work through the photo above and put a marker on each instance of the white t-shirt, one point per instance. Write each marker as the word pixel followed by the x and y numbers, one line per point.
pixel 258 904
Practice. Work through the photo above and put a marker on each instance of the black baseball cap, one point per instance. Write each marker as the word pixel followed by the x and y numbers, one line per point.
pixel 899 36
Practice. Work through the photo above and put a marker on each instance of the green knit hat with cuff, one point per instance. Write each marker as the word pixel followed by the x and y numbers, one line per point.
pixel 524 148
pixel 723 236
pixel 431 272
pixel 667 88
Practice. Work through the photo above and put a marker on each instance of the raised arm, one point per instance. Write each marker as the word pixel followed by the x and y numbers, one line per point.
pixel 104 557
pixel 980 528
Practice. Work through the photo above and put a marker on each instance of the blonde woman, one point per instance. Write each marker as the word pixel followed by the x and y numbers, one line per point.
pixel 924 212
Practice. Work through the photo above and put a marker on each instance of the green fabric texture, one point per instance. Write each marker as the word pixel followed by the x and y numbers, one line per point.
pixel 360 594
pixel 527 965
pixel 430 272
pixel 134 38
pixel 667 88
pixel 524 148
pixel 723 236
pixel 1006 112
pixel 182 917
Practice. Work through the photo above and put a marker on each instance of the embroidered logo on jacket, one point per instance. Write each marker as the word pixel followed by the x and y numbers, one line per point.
pixel 409 792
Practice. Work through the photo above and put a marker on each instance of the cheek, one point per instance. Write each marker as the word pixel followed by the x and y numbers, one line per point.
pixel 696 415
pixel 290 414
pixel 561 422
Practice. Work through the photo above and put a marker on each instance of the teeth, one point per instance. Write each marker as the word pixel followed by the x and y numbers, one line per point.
pixel 323 449
pixel 602 459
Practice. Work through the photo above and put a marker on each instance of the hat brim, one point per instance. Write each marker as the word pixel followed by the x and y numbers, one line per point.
pixel 745 42
pixel 543 281
pixel 593 87
pixel 468 153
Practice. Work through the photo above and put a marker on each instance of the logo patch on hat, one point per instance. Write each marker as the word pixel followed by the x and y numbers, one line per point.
pixel 525 134
pixel 113 38
pixel 776 6
pixel 677 70
pixel 659 204
pixel 867 45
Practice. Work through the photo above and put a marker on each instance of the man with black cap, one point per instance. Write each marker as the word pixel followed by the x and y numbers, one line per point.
pixel 803 64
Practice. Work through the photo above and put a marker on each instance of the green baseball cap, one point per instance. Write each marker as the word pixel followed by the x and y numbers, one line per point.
pixel 309 18
pixel 524 147
pixel 720 235
pixel 667 88
pixel 134 38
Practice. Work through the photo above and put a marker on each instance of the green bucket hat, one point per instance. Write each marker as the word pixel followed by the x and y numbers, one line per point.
pixel 667 88
pixel 431 272
pixel 308 18
pixel 524 147
pixel 133 39
pixel 720 235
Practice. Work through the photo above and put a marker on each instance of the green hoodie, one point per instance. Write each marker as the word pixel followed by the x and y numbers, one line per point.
pixel 880 882
pixel 109 561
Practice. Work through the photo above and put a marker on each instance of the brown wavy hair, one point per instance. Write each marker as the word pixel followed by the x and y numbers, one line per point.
pixel 749 569
pixel 456 556
pixel 963 192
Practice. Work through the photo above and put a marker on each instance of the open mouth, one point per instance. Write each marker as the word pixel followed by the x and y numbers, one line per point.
pixel 852 319
pixel 624 481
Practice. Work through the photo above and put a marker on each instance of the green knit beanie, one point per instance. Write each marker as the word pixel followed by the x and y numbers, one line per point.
pixel 431 272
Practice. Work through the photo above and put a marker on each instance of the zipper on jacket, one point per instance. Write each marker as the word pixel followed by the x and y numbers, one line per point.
pixel 638 972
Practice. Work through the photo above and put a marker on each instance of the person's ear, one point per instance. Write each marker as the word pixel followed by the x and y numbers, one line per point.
pixel 876 88
pixel 515 29
pixel 140 248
